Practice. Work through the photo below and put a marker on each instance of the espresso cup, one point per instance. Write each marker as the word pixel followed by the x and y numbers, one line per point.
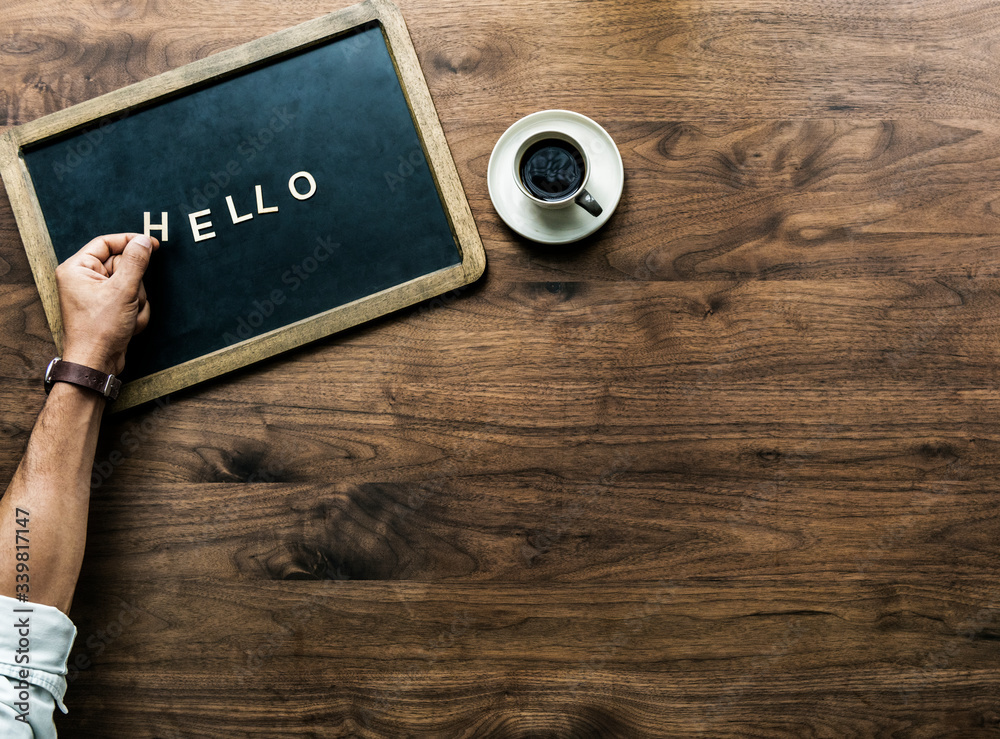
pixel 551 169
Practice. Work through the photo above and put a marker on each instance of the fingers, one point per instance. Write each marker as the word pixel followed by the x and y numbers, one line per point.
pixel 142 320
pixel 89 261
pixel 128 269
pixel 104 247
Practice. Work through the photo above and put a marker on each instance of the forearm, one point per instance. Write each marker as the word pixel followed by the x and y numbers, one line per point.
pixel 52 484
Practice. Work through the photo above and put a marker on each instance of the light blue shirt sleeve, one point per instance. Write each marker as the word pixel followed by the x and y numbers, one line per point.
pixel 35 641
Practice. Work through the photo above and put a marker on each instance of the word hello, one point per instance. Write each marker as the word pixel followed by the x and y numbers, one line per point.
pixel 200 228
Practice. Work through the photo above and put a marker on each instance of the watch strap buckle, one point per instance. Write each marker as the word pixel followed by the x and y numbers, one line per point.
pixel 105 385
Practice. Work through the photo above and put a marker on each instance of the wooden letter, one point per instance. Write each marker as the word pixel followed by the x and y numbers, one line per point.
pixel 162 227
pixel 308 178
pixel 232 211
pixel 197 228
pixel 260 203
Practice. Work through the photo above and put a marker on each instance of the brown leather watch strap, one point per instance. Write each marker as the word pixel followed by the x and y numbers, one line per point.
pixel 103 384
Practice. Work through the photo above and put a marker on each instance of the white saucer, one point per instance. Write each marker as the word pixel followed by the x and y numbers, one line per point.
pixel 563 225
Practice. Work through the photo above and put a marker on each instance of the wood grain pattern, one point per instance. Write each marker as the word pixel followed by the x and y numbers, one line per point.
pixel 705 59
pixel 727 468
pixel 715 379
pixel 801 199
pixel 650 661
pixel 627 526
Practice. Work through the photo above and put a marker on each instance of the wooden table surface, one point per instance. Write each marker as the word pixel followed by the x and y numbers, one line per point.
pixel 726 468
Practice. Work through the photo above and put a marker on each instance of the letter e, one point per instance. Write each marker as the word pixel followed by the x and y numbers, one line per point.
pixel 197 228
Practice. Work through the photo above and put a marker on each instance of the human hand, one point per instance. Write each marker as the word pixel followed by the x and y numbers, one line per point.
pixel 103 300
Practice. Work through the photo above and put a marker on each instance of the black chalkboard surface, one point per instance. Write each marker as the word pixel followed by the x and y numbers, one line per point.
pixel 336 112
pixel 280 191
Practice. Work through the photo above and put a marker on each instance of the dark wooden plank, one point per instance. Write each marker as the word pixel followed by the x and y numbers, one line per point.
pixel 753 433
pixel 618 526
pixel 814 380
pixel 791 199
pixel 673 657
pixel 706 59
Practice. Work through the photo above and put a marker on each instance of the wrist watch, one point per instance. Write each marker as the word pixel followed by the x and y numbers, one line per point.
pixel 107 386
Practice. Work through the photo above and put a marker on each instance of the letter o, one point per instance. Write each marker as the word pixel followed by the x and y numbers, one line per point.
pixel 303 176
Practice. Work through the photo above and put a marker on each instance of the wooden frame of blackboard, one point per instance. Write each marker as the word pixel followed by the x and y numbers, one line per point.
pixel 42 257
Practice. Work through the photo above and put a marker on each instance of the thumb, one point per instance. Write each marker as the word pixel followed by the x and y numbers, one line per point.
pixel 132 263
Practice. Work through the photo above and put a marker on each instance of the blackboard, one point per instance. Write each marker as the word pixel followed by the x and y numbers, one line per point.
pixel 295 191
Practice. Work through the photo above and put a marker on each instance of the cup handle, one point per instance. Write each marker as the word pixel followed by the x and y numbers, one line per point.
pixel 586 201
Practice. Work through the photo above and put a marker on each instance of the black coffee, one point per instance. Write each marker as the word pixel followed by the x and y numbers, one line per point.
pixel 552 169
